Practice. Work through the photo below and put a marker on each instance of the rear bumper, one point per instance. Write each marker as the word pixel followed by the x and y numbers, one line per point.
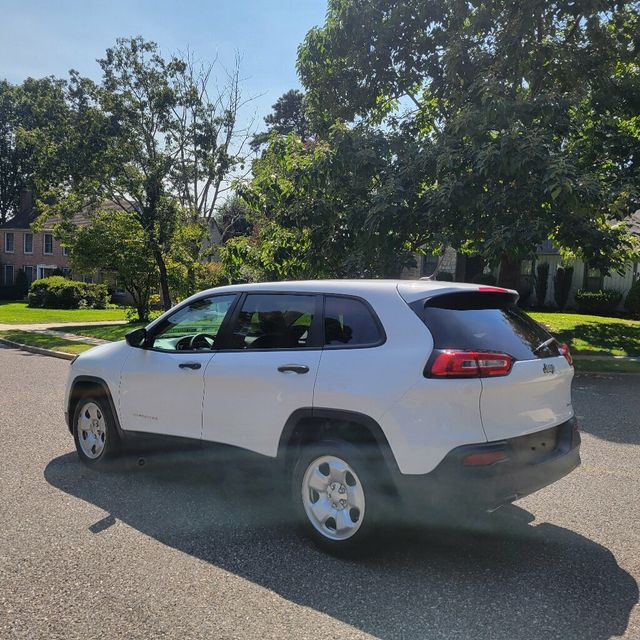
pixel 455 487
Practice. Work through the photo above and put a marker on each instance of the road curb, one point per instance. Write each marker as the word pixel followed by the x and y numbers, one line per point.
pixel 38 350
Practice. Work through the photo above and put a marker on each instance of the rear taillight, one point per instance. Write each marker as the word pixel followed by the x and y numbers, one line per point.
pixel 564 350
pixel 470 364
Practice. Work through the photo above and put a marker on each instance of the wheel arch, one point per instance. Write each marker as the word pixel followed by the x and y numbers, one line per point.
pixel 80 385
pixel 311 424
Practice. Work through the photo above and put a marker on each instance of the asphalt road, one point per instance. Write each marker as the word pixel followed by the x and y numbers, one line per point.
pixel 192 550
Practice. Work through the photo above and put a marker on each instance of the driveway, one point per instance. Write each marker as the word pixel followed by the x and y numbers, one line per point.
pixel 176 549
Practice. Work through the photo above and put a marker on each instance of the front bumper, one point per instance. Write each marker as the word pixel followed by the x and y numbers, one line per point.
pixel 453 487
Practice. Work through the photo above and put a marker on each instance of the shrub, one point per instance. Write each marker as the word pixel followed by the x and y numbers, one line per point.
pixel 22 283
pixel 485 278
pixel 598 302
pixel 562 286
pixel 56 292
pixel 632 303
pixel 444 276
pixel 155 302
pixel 542 283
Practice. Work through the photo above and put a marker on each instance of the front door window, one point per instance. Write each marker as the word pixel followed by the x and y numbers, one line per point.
pixel 194 327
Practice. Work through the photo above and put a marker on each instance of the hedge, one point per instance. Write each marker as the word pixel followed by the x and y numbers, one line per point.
pixel 602 301
pixel 56 292
pixel 632 303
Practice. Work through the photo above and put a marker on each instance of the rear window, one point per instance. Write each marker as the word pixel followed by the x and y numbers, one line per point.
pixel 485 322
pixel 349 322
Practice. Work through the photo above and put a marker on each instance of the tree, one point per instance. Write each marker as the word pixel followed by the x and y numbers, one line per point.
pixel 114 241
pixel 526 112
pixel 35 104
pixel 288 116
pixel 235 218
pixel 321 208
pixel 150 138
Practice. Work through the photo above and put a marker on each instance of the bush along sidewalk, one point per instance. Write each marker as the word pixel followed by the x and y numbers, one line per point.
pixel 56 292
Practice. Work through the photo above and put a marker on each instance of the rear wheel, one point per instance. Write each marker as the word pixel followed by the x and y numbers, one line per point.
pixel 335 496
pixel 94 430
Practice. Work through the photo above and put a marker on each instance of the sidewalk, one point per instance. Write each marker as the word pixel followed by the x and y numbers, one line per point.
pixel 53 325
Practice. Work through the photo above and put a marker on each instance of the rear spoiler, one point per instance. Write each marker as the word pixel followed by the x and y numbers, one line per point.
pixel 413 291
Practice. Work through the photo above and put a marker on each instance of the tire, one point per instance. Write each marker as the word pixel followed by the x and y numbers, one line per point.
pixel 94 430
pixel 336 497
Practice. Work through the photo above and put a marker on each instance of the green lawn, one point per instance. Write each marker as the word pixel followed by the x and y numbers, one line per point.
pixel 593 365
pixel 20 313
pixel 45 341
pixel 105 332
pixel 593 335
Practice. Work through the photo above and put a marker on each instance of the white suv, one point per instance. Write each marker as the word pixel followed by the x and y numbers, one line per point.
pixel 445 396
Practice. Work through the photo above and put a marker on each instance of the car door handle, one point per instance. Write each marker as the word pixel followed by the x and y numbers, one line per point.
pixel 294 368
pixel 189 365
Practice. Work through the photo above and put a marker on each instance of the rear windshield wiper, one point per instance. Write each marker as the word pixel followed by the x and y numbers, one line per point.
pixel 544 345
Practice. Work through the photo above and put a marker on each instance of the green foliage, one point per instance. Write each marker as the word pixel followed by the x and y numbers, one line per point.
pixel 513 126
pixel 56 292
pixel 542 283
pixel 599 302
pixel 327 208
pixel 153 137
pixel 445 276
pixel 287 117
pixel 632 301
pixel 562 280
pixel 115 242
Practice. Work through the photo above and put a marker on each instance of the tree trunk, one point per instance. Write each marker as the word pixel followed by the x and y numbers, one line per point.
pixel 164 279
pixel 509 272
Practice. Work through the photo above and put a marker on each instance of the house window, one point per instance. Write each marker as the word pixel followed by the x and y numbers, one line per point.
pixel 593 279
pixel 8 275
pixel 45 270
pixel 47 244
pixel 30 273
pixel 429 265
pixel 8 242
pixel 65 251
pixel 119 287
pixel 28 242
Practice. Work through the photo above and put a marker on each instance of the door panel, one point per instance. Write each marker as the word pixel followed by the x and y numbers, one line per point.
pixel 251 390
pixel 159 396
pixel 161 386
pixel 247 400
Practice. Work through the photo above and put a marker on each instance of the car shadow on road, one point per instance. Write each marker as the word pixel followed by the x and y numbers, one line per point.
pixel 505 578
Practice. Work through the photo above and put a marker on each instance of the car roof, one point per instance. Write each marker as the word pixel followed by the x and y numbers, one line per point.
pixel 410 290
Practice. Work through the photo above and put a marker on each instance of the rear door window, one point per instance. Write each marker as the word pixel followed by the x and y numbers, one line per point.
pixel 348 322
pixel 485 322
pixel 274 321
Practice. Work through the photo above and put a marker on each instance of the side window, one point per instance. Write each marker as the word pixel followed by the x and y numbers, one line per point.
pixel 349 322
pixel 274 321
pixel 195 327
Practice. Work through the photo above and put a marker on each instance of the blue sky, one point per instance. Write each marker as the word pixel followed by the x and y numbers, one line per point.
pixel 39 38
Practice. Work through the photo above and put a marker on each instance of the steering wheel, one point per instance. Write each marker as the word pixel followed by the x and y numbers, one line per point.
pixel 202 341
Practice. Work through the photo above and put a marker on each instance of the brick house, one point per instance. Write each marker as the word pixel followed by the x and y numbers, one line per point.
pixel 40 254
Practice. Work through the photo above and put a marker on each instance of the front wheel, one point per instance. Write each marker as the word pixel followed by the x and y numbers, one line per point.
pixel 94 430
pixel 335 497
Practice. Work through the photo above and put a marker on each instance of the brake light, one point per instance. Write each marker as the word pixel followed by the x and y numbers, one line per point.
pixel 564 350
pixel 470 364
pixel 493 289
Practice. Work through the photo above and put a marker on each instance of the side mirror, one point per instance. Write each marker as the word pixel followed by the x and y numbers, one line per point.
pixel 137 337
